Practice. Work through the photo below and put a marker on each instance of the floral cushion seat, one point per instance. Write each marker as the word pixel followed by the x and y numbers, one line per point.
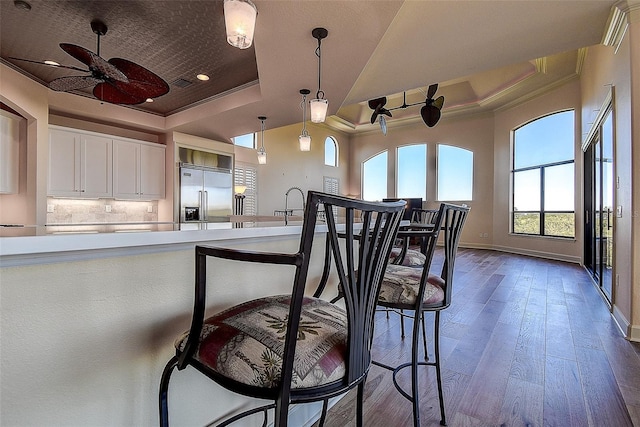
pixel 413 258
pixel 401 285
pixel 246 342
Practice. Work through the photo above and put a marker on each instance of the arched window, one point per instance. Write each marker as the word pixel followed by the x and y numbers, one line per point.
pixel 330 151
pixel 411 171
pixel 543 177
pixel 454 173
pixel 374 177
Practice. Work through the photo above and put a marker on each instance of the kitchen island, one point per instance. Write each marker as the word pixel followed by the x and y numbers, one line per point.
pixel 89 320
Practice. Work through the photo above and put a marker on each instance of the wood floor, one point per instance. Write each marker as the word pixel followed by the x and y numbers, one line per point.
pixel 526 342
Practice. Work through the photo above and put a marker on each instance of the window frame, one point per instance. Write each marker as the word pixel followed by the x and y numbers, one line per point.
pixel 386 171
pixel 335 156
pixel 542 169
pixel 439 198
pixel 426 170
pixel 254 143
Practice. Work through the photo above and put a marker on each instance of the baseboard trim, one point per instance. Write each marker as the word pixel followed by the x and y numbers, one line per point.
pixel 622 322
pixel 634 333
pixel 527 252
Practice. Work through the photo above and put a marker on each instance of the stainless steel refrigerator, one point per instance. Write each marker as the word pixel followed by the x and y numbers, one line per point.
pixel 206 194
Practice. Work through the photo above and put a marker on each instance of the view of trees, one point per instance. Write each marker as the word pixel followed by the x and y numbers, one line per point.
pixel 556 224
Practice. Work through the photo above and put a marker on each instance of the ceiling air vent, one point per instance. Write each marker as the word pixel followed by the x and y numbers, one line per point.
pixel 181 83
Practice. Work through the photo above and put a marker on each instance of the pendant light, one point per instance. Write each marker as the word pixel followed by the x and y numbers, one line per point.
pixel 318 106
pixel 240 22
pixel 262 154
pixel 304 139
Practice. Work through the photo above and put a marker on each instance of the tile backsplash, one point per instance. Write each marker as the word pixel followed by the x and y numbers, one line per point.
pixel 75 211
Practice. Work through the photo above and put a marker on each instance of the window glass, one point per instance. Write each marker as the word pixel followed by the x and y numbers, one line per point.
pixel 525 185
pixel 247 140
pixel 330 151
pixel 411 171
pixel 454 173
pixel 545 140
pixel 558 188
pixel 374 178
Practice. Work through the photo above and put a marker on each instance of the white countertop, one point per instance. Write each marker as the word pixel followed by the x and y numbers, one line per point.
pixel 72 245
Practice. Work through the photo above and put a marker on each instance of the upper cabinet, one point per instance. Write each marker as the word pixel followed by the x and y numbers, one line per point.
pixel 9 152
pixel 138 170
pixel 89 165
pixel 80 165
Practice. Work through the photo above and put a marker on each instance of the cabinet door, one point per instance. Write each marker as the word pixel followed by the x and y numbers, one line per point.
pixel 96 166
pixel 151 172
pixel 9 152
pixel 64 163
pixel 126 170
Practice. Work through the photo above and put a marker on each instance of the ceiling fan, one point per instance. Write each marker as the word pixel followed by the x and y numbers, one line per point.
pixel 116 81
pixel 430 111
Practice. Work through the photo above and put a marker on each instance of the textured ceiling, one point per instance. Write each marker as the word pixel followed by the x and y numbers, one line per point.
pixel 484 53
pixel 175 39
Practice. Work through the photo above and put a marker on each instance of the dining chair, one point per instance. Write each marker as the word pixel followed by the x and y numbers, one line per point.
pixel 410 289
pixel 402 252
pixel 294 348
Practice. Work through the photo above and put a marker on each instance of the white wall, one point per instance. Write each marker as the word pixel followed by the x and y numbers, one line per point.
pixel 563 98
pixel 288 167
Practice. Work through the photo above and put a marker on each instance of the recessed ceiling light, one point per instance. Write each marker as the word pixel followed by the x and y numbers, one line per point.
pixel 21 4
pixel 149 100
pixel 202 77
pixel 54 63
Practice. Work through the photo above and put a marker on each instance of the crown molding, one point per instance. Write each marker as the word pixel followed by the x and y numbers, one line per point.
pixel 582 56
pixel 617 24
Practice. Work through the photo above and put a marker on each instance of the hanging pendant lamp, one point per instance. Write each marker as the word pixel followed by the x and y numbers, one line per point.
pixel 262 154
pixel 318 106
pixel 304 139
pixel 240 22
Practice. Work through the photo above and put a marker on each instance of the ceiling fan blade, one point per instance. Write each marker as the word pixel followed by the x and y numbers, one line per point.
pixel 374 116
pixel 109 92
pixel 386 112
pixel 69 67
pixel 432 90
pixel 439 102
pixel 142 83
pixel 68 83
pixel 430 115
pixel 95 63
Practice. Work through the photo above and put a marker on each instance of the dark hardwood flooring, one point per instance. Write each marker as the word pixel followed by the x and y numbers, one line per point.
pixel 526 342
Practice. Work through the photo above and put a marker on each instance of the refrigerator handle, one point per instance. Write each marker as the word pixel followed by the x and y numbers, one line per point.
pixel 206 204
pixel 200 205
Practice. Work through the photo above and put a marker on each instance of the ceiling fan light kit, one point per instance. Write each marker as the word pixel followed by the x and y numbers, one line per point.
pixel 319 105
pixel 240 22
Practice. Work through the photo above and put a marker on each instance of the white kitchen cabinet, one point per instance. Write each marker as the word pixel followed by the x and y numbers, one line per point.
pixel 9 152
pixel 80 165
pixel 138 170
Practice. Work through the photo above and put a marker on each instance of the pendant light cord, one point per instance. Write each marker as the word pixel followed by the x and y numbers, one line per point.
pixel 319 55
pixel 303 104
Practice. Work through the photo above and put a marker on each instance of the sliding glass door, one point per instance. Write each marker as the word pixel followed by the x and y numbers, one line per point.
pixel 599 204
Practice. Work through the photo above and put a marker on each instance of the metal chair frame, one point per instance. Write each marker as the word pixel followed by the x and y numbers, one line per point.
pixel 450 219
pixel 370 257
